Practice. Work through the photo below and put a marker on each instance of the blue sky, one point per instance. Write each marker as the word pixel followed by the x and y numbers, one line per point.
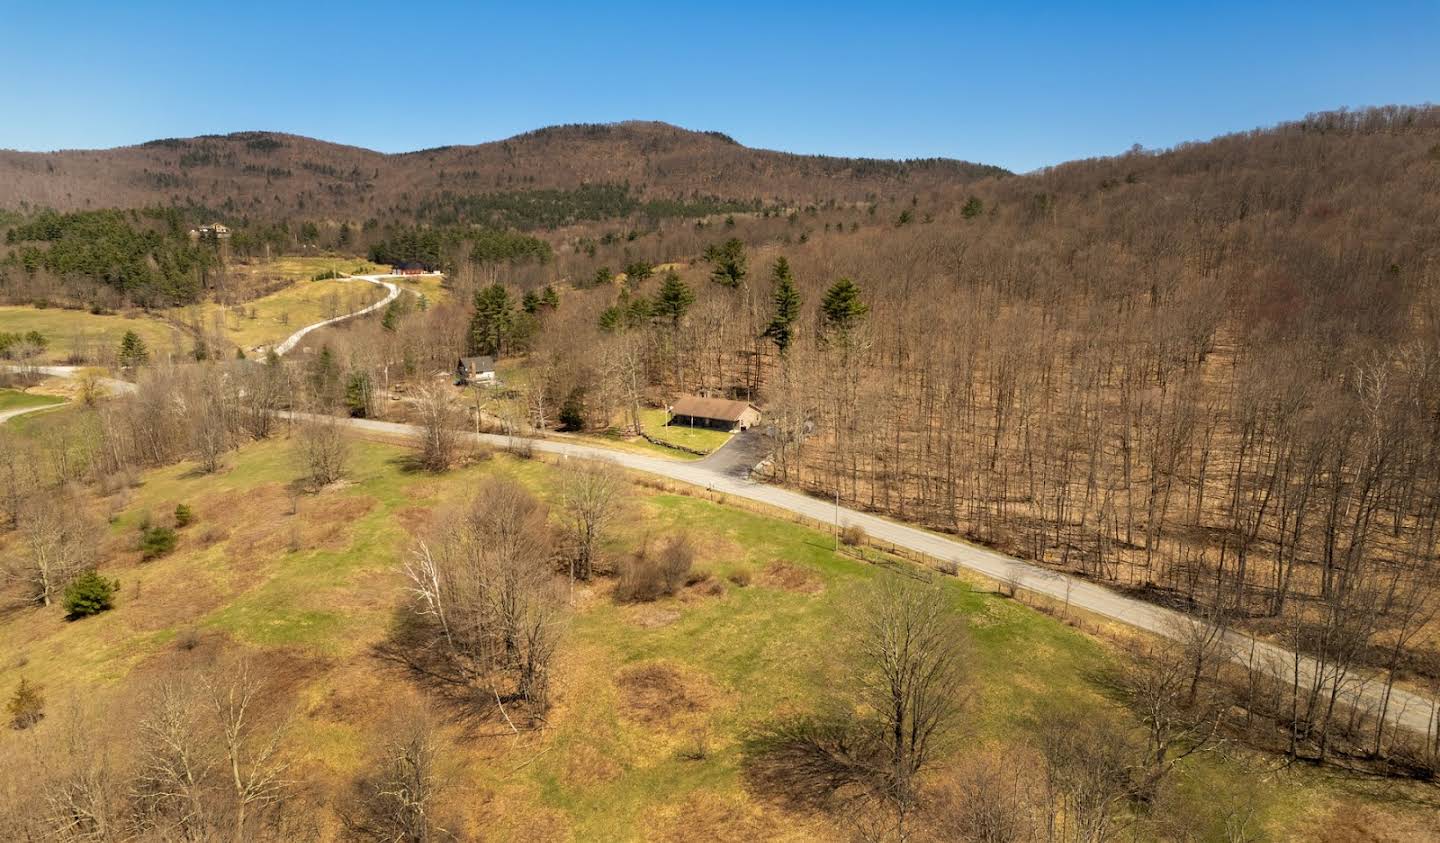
pixel 1020 84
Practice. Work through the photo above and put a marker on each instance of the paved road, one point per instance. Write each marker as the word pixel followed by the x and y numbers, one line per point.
pixel 1410 711
pixel 739 456
pixel 728 474
pixel 379 280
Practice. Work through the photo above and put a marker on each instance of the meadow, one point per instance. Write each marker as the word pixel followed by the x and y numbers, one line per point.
pixel 652 702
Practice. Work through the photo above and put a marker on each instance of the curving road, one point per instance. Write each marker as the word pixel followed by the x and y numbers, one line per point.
pixel 379 280
pixel 721 473
pixel 1407 710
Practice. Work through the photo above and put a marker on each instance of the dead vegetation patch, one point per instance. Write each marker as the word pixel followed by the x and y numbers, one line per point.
pixel 788 576
pixel 701 586
pixel 650 616
pixel 660 693
pixel 706 815
pixel 585 764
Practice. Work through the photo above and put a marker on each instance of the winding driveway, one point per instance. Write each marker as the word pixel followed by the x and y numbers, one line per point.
pixel 379 280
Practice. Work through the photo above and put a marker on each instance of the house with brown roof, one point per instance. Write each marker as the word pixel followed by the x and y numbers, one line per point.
pixel 715 413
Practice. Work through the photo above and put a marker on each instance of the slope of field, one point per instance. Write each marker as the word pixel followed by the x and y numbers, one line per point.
pixel 652 704
pixel 81 335
pixel 272 174
pixel 267 320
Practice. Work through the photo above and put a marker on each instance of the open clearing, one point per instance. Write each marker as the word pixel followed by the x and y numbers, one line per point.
pixel 81 334
pixel 13 399
pixel 763 632
pixel 269 319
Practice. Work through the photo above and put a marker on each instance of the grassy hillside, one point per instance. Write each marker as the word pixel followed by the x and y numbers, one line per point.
pixel 653 702
pixel 79 333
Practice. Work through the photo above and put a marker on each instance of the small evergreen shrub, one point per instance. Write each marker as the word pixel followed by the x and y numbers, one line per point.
pixel 89 594
pixel 27 705
pixel 156 542
pixel 184 515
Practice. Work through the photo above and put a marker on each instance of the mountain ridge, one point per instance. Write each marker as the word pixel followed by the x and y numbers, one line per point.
pixel 270 173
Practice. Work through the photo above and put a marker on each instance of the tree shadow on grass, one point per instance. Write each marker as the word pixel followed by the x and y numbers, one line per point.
pixel 414 646
pixel 808 762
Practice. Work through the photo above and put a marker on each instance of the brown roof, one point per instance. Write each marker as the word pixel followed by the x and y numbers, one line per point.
pixel 710 408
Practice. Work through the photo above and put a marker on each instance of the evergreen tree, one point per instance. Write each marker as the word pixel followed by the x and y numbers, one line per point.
pixel 786 298
pixel 550 298
pixel 27 706
pixel 674 299
pixel 729 261
pixel 358 395
pixel 89 594
pixel 133 351
pixel 973 208
pixel 572 410
pixel 393 311
pixel 602 276
pixel 638 273
pixel 324 377
pixel 491 322
pixel 531 302
pixel 842 308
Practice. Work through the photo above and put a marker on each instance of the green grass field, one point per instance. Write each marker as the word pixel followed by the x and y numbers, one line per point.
pixel 318 590
pixel 697 438
pixel 270 319
pixel 13 399
pixel 97 337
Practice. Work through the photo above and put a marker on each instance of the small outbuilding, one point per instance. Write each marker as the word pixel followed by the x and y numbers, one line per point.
pixel 475 370
pixel 714 413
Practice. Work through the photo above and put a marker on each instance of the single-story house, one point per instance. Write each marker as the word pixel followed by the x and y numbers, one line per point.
pixel 475 370
pixel 217 230
pixel 716 413
pixel 410 268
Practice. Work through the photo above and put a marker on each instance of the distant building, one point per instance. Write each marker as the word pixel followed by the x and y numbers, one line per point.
pixel 716 413
pixel 475 370
pixel 410 268
pixel 217 230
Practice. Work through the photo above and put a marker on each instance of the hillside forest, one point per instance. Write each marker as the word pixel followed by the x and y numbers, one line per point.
pixel 1207 377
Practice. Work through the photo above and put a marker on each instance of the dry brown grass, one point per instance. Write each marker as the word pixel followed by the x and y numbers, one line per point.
pixel 661 693
pixel 789 577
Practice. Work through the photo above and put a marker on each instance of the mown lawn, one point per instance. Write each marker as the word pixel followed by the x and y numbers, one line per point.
pixel 766 633
pixel 14 399
pixel 697 438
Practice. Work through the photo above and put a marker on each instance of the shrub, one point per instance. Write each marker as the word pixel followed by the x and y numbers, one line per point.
pixel 740 578
pixel 27 705
pixel 184 515
pixel 645 576
pixel 156 542
pixel 89 594
pixel 852 535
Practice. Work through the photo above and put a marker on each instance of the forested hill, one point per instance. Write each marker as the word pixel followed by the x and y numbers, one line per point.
pixel 265 174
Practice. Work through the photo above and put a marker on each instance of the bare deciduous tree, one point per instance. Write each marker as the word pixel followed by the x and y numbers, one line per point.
pixel 485 587
pixel 438 420
pixel 59 539
pixel 911 673
pixel 323 450
pixel 395 798
pixel 590 498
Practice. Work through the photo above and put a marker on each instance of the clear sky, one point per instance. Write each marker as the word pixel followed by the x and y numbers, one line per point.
pixel 1020 84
